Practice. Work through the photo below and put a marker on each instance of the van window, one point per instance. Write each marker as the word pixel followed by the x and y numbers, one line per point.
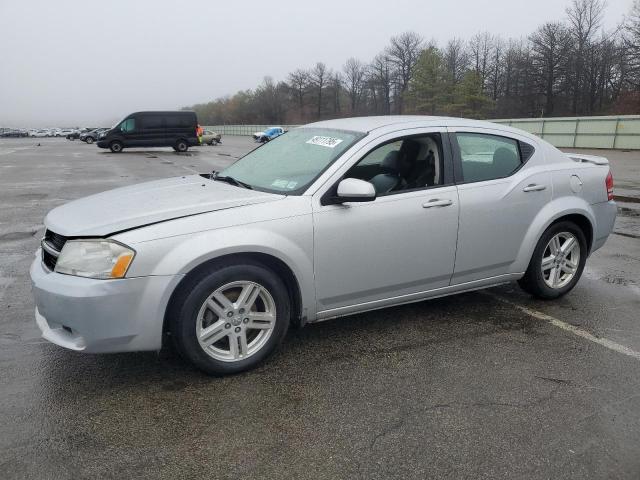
pixel 177 121
pixel 152 122
pixel 129 125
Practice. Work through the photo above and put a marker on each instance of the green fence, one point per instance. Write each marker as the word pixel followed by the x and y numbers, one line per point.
pixel 620 132
pixel 243 129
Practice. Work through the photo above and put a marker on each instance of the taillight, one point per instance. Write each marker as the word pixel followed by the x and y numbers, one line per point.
pixel 609 184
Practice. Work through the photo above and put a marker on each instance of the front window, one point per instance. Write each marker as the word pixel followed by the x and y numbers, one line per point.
pixel 408 163
pixel 291 162
pixel 128 125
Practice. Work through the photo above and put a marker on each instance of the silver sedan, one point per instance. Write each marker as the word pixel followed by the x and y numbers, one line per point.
pixel 331 219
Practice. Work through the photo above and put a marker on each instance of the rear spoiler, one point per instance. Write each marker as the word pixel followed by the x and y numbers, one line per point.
pixel 578 157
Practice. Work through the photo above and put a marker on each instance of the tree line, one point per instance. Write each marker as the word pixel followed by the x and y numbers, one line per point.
pixel 564 68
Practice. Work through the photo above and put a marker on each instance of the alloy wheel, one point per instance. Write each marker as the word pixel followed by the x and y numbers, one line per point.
pixel 236 321
pixel 560 260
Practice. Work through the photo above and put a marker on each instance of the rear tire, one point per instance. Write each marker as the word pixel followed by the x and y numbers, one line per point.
pixel 203 327
pixel 181 146
pixel 557 261
pixel 116 146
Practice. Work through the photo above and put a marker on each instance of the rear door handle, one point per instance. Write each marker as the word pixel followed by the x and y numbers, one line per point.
pixel 436 202
pixel 534 188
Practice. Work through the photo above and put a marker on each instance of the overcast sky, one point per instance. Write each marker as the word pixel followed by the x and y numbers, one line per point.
pixel 83 62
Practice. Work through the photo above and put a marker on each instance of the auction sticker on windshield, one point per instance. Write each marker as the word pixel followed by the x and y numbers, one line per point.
pixel 330 142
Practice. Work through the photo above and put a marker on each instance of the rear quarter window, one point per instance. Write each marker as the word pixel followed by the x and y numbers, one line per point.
pixel 487 157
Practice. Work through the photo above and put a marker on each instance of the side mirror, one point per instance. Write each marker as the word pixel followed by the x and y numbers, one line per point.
pixel 355 190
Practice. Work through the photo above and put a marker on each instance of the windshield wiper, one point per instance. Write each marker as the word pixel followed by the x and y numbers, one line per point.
pixel 230 180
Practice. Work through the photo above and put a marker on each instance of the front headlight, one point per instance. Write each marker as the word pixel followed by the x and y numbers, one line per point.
pixel 101 259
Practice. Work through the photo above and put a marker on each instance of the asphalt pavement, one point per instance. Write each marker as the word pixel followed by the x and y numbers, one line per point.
pixel 491 384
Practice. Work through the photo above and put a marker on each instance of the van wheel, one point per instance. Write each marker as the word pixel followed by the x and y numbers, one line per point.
pixel 89 140
pixel 557 262
pixel 230 318
pixel 181 146
pixel 115 146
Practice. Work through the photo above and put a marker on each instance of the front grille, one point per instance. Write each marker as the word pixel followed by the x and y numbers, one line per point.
pixel 55 240
pixel 52 244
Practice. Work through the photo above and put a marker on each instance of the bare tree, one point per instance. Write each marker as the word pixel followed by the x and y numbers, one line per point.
pixel 456 59
pixel 319 76
pixel 480 47
pixel 403 54
pixel 382 77
pixel 496 67
pixel 632 44
pixel 585 18
pixel 549 45
pixel 336 91
pixel 299 83
pixel 354 76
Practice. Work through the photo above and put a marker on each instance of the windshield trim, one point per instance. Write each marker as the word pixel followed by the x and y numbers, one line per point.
pixel 300 191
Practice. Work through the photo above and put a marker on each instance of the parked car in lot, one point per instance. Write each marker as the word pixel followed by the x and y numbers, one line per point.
pixel 65 132
pixel 334 218
pixel 75 134
pixel 13 132
pixel 211 138
pixel 268 134
pixel 153 129
pixel 92 135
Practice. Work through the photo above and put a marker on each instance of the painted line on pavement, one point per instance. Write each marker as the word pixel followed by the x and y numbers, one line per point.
pixel 605 342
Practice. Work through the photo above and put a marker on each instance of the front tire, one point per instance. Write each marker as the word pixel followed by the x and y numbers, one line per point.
pixel 230 318
pixel 181 146
pixel 116 146
pixel 557 262
pixel 89 140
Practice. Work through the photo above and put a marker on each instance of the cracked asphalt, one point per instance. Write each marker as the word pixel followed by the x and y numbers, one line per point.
pixel 459 387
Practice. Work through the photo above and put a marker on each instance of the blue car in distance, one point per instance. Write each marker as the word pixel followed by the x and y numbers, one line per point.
pixel 268 134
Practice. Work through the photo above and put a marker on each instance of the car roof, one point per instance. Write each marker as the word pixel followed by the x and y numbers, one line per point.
pixel 368 124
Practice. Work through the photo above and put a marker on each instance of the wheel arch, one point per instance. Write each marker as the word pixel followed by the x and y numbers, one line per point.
pixel 573 209
pixel 275 264
pixel 581 221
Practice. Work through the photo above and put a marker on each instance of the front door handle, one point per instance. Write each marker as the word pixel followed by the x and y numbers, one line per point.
pixel 534 188
pixel 436 202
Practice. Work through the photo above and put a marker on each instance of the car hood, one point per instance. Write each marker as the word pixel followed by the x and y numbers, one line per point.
pixel 146 203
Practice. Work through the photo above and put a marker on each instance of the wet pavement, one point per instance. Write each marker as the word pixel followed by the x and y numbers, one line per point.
pixel 466 386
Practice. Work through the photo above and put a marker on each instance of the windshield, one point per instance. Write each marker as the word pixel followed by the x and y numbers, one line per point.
pixel 289 163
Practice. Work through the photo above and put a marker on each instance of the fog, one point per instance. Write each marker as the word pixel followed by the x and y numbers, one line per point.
pixel 78 63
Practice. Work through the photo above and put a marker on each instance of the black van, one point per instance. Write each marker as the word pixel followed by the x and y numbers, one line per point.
pixel 153 129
